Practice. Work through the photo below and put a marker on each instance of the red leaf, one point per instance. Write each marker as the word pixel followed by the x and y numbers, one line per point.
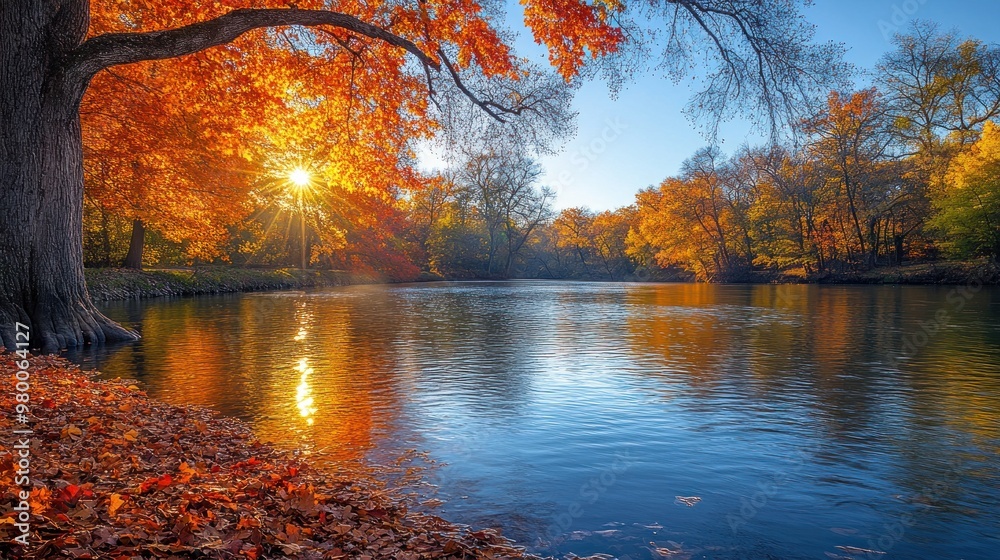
pixel 70 494
pixel 146 485
pixel 164 481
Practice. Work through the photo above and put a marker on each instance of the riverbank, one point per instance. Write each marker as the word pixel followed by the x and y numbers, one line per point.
pixel 115 474
pixel 920 273
pixel 108 284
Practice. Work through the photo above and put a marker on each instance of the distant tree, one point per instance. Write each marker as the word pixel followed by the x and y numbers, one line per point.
pixel 426 207
pixel 852 141
pixel 968 207
pixel 456 246
pixel 105 235
pixel 165 162
pixel 939 91
pixel 503 188
pixel 939 87
pixel 608 233
pixel 573 233
pixel 544 258
pixel 785 215
pixel 696 220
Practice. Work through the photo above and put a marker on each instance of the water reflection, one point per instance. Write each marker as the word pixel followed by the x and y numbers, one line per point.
pixel 533 390
pixel 303 394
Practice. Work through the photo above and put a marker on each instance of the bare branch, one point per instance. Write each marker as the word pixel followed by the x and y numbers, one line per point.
pixel 461 86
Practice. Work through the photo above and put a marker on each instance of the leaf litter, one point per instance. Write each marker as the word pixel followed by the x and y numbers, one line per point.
pixel 116 475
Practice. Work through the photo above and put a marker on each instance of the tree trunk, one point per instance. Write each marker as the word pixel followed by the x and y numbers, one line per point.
pixel 41 176
pixel 133 259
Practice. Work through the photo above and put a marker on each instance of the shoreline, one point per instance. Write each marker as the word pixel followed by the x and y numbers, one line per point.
pixel 931 273
pixel 117 474
pixel 117 284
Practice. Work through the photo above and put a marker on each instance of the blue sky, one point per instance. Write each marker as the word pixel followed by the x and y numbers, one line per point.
pixel 636 140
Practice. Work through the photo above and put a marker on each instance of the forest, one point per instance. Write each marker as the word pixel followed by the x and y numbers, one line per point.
pixel 903 169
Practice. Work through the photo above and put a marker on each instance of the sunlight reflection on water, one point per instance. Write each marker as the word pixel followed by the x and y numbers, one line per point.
pixel 789 417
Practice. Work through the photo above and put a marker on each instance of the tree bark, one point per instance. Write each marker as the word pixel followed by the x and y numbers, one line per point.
pixel 133 259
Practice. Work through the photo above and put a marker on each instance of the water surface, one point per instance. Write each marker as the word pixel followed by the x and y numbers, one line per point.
pixel 796 421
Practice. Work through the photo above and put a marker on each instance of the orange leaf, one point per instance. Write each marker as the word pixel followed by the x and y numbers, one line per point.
pixel 117 501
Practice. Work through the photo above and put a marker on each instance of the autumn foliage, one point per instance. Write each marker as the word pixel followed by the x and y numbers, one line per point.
pixel 209 178
pixel 193 146
pixel 969 201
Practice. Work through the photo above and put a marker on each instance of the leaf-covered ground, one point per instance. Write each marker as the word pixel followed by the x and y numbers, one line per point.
pixel 116 475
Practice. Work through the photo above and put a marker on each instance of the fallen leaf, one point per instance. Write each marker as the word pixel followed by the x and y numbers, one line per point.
pixel 689 501
pixel 117 501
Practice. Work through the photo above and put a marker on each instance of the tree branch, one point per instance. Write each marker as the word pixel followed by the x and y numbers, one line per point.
pixel 497 111
pixel 112 49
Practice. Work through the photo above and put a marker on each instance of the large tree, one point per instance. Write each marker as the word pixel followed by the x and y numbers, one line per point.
pixel 763 55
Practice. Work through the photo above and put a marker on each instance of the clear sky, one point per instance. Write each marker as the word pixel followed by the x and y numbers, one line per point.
pixel 636 140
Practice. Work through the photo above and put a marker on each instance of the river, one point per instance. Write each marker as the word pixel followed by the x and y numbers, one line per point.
pixel 710 421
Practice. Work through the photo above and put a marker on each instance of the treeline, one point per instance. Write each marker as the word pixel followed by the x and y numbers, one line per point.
pixel 907 169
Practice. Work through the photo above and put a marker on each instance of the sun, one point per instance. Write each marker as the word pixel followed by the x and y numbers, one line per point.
pixel 299 177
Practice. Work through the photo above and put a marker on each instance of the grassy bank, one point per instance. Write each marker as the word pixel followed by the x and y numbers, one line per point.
pixel 922 273
pixel 106 284
pixel 116 475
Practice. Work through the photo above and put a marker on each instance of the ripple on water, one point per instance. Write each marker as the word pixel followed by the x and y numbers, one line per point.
pixel 561 411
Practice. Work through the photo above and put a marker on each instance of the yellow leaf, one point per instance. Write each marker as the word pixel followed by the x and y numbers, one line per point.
pixel 116 503
pixel 71 431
